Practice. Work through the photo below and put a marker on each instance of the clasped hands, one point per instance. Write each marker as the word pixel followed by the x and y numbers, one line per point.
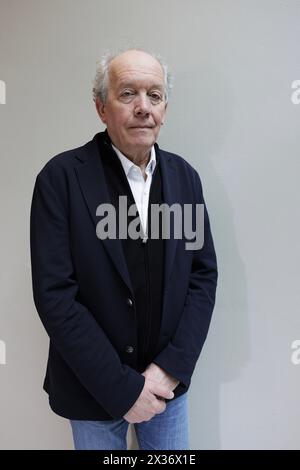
pixel 159 385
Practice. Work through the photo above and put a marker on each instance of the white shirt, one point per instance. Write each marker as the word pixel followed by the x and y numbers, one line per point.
pixel 139 187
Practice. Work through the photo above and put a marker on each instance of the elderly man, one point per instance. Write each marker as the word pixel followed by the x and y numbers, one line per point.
pixel 127 316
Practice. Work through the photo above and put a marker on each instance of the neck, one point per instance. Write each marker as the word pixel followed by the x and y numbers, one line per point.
pixel 140 159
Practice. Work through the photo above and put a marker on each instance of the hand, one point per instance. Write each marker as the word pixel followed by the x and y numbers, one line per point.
pixel 147 404
pixel 159 375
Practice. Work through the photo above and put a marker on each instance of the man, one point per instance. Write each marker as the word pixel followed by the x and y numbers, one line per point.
pixel 127 317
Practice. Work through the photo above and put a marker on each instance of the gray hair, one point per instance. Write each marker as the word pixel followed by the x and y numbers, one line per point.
pixel 101 81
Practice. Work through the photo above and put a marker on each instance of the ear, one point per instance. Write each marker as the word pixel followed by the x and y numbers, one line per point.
pixel 100 106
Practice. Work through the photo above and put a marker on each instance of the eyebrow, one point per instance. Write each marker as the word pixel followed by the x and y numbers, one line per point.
pixel 132 85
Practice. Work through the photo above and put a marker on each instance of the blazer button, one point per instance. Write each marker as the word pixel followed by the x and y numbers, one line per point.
pixel 129 349
pixel 129 302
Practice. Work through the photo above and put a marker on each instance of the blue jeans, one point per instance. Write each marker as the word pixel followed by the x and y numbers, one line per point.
pixel 165 431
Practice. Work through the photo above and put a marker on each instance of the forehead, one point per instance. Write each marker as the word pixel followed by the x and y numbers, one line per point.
pixel 135 67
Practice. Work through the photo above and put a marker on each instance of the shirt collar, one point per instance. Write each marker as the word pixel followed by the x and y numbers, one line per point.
pixel 128 164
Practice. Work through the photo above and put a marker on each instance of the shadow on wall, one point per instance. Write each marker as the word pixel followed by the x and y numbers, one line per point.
pixel 204 118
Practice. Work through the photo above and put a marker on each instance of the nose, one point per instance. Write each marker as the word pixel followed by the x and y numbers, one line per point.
pixel 142 106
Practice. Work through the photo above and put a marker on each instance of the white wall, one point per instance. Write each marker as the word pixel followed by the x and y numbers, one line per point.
pixel 231 116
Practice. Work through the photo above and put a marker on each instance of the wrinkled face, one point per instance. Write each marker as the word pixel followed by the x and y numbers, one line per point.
pixel 135 106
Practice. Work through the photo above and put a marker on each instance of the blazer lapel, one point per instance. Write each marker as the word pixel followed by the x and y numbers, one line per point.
pixel 171 196
pixel 93 185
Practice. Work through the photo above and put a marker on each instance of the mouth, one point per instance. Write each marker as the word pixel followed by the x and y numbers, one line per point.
pixel 141 127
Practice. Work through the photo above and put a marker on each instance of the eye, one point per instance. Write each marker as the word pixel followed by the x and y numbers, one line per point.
pixel 126 95
pixel 155 97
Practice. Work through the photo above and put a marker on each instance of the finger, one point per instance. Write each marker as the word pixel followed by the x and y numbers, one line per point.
pixel 162 391
pixel 161 407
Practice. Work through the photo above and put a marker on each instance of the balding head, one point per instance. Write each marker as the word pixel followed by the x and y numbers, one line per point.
pixel 101 82
pixel 134 61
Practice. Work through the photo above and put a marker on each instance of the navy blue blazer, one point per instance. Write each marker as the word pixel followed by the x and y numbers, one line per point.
pixel 83 294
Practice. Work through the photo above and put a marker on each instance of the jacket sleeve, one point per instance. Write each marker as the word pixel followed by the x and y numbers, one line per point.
pixel 180 355
pixel 70 325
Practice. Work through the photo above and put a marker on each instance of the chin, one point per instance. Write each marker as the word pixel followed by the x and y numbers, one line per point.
pixel 146 143
pixel 144 139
